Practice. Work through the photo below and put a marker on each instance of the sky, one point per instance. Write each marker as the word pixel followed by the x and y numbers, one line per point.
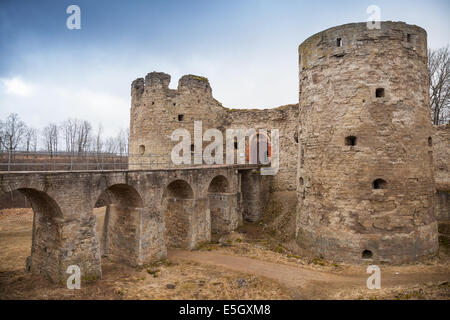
pixel 247 49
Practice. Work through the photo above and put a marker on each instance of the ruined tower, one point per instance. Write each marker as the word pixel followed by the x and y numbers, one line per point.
pixel 157 110
pixel 365 172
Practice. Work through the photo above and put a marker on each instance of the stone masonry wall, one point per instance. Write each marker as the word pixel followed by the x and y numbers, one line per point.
pixel 255 194
pixel 120 237
pixel 357 150
pixel 285 119
pixel 155 115
pixel 441 155
pixel 64 225
pixel 178 216
pixel 157 111
pixel 364 117
pixel 224 212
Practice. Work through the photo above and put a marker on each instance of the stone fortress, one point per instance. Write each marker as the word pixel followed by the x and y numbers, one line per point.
pixel 363 173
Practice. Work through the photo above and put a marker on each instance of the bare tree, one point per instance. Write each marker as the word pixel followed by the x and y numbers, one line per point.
pixel 30 140
pixel 84 136
pixel 111 145
pixel 439 80
pixel 77 135
pixel 69 130
pixel 122 142
pixel 98 140
pixel 12 132
pixel 127 132
pixel 50 137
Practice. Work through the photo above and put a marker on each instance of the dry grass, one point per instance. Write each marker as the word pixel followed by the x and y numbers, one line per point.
pixel 15 238
pixel 164 280
pixel 425 291
pixel 191 280
pixel 183 279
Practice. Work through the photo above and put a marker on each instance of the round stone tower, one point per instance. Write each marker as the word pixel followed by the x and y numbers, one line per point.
pixel 365 170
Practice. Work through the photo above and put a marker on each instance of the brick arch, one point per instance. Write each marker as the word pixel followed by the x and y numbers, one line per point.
pixel 179 189
pixel 46 243
pixel 32 184
pixel 219 184
pixel 121 194
pixel 42 200
pixel 206 179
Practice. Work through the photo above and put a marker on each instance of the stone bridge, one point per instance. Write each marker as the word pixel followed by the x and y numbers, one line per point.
pixel 147 211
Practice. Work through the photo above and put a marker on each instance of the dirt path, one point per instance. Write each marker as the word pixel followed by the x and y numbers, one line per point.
pixel 303 282
pixel 287 275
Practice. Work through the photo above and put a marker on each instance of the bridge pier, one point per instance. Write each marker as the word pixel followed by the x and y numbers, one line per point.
pixel 58 238
pixel 255 194
pixel 187 222
pixel 200 223
pixel 79 247
pixel 132 235
pixel 224 212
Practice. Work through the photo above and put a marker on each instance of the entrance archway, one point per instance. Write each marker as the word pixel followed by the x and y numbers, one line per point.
pixel 259 149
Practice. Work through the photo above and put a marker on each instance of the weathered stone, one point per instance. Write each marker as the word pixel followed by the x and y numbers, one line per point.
pixel 136 220
pixel 170 286
pixel 441 154
pixel 359 160
pixel 156 111
pixel 365 169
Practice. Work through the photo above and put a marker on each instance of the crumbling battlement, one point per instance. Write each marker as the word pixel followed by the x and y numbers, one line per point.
pixel 155 105
pixel 160 81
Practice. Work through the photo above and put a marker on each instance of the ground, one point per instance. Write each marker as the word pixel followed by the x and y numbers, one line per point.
pixel 248 264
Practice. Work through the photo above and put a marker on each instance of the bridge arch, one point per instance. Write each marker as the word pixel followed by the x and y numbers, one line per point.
pixel 177 207
pixel 116 226
pixel 179 189
pixel 220 202
pixel 46 240
pixel 120 194
pixel 219 184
